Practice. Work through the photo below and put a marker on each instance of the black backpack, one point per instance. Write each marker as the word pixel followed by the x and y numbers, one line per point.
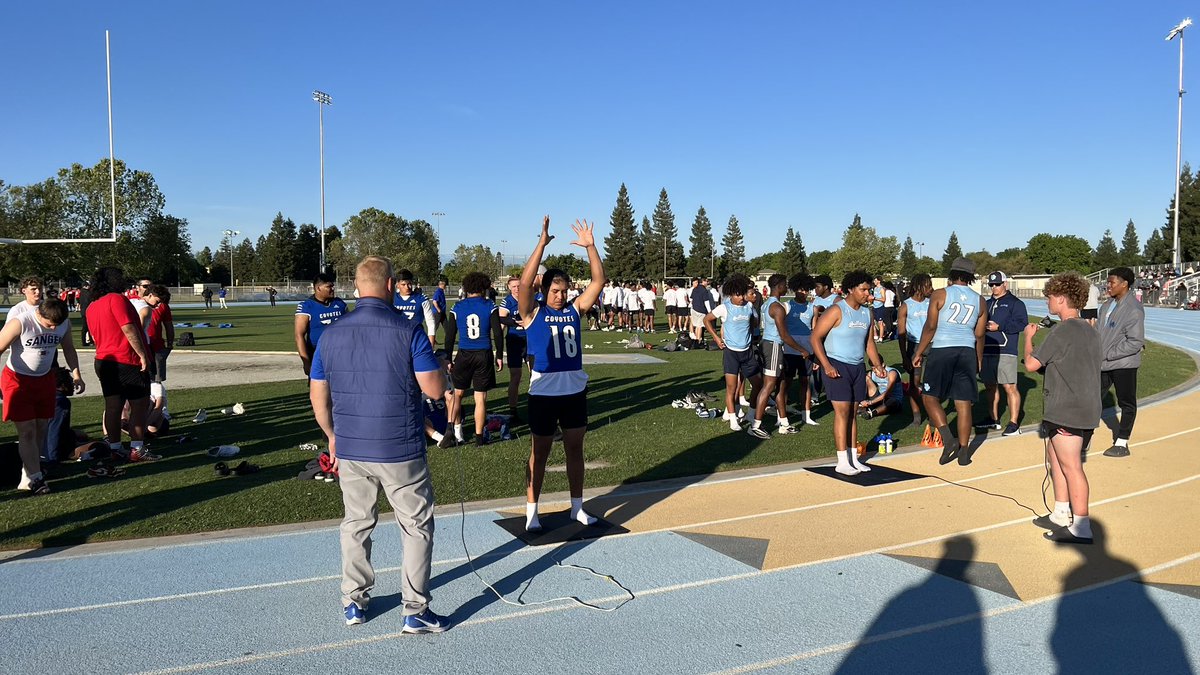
pixel 186 340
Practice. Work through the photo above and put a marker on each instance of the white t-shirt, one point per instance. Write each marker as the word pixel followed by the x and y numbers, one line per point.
pixel 631 300
pixel 682 297
pixel 716 295
pixel 1093 301
pixel 18 310
pixel 158 391
pixel 33 353
pixel 647 297
pixel 889 298
pixel 669 297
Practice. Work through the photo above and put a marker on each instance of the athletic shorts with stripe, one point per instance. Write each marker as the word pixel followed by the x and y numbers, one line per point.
pixel 774 361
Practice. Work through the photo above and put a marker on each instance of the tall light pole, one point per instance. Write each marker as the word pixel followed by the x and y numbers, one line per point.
pixel 231 234
pixel 503 257
pixel 921 244
pixel 322 100
pixel 438 215
pixel 1175 252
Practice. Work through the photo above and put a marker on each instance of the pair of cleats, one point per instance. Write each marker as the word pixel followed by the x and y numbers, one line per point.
pixel 243 469
pixel 951 450
pixel 34 486
pixel 1060 533
pixel 143 454
pixel 425 622
pixel 1011 429
pixel 760 433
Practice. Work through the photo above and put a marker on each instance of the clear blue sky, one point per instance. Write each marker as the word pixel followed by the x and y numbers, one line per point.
pixel 998 122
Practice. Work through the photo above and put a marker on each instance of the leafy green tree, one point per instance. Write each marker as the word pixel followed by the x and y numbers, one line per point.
pixel 409 244
pixel 702 251
pixel 985 263
pixel 1189 218
pixel 928 265
pixel 243 263
pixel 1015 263
pixel 622 259
pixel 766 261
pixel 168 238
pixel 793 259
pixel 477 258
pixel 821 262
pixel 1052 253
pixel 1010 252
pixel 1157 249
pixel 277 255
pixel 863 249
pixel 1106 254
pixel 953 251
pixel 908 259
pixel 572 264
pixel 733 251
pixel 650 249
pixel 308 252
pixel 1131 249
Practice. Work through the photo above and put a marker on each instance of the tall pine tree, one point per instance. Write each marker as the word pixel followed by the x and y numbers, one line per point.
pixel 1131 250
pixel 953 251
pixel 793 259
pixel 622 257
pixel 668 235
pixel 703 249
pixel 733 250
pixel 1106 254
pixel 1157 249
pixel 908 259
pixel 651 252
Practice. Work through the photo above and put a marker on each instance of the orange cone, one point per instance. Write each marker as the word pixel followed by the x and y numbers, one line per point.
pixel 937 439
pixel 927 438
pixel 862 449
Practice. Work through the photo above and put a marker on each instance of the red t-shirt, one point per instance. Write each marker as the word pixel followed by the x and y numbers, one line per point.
pixel 105 316
pixel 159 316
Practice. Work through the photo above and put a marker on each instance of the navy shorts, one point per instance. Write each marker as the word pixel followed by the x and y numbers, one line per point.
pixel 743 363
pixel 950 374
pixel 851 387
pixel 515 346
pixel 795 367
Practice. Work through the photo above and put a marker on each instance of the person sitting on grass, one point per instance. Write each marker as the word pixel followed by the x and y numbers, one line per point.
pixel 475 324
pixel 1070 359
pixel 885 395
pixel 737 325
pixel 437 424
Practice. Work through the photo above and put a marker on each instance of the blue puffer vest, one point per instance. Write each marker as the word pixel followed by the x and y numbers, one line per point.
pixel 377 409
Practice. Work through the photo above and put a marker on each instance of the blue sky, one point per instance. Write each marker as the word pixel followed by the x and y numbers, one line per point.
pixel 997 122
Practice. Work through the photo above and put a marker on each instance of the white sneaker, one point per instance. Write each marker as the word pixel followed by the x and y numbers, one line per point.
pixel 789 429
pixel 743 402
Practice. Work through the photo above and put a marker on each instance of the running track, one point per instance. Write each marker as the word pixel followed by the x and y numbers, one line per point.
pixel 783 570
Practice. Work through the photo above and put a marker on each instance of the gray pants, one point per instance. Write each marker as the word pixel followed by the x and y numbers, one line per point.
pixel 410 492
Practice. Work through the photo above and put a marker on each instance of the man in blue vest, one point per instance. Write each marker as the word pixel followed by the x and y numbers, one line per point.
pixel 367 377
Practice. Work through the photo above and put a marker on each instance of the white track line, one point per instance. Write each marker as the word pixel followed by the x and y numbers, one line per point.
pixel 537 549
pixel 342 644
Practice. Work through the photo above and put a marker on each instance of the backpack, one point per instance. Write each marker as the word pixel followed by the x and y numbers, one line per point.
pixel 186 340
pixel 635 342
pixel 684 342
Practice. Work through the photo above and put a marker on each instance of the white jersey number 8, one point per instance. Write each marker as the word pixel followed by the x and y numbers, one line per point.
pixel 473 326
pixel 569 344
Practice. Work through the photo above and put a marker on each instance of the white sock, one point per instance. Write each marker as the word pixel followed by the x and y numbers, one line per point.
pixel 855 462
pixel 843 464
pixel 458 434
pixel 1062 514
pixel 733 424
pixel 577 512
pixel 809 420
pixel 783 422
pixel 743 402
pixel 1081 527
pixel 1122 442
pixel 437 438
pixel 532 524
pixel 756 424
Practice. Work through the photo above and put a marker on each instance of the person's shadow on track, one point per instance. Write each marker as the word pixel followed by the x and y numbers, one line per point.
pixel 1116 628
pixel 956 647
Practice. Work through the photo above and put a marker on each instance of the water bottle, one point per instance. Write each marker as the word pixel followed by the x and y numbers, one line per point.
pixel 891 446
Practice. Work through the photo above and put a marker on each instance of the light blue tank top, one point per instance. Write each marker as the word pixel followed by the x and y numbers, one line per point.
pixel 769 330
pixel 735 327
pixel 896 392
pixel 956 320
pixel 847 342
pixel 914 322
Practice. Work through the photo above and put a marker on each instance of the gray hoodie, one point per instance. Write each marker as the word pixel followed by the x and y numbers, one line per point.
pixel 1122 333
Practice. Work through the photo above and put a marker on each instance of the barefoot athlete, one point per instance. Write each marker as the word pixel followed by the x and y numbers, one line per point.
pixel 557 383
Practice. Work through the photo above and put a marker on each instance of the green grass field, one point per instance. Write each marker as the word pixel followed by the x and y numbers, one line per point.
pixel 634 436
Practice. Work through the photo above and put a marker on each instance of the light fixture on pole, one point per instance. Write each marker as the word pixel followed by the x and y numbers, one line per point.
pixel 503 257
pixel 438 215
pixel 921 244
pixel 231 234
pixel 322 100
pixel 1176 258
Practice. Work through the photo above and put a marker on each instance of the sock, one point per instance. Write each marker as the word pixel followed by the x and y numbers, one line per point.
pixel 458 434
pixel 808 418
pixel 949 438
pixel 843 463
pixel 756 424
pixel 1122 442
pixel 577 512
pixel 733 424
pixel 437 438
pixel 1081 527
pixel 855 461
pixel 1062 514
pixel 532 524
pixel 34 476
pixel 783 422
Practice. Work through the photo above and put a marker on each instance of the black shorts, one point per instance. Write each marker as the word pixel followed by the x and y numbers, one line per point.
pixel 473 369
pixel 120 379
pixel 548 413
pixel 907 349
pixel 950 373
pixel 773 359
pixel 516 348
pixel 1048 429
pixel 608 309
pixel 851 387
pixel 745 363
pixel 796 367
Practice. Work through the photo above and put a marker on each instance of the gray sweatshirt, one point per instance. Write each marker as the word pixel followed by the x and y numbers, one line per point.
pixel 1122 333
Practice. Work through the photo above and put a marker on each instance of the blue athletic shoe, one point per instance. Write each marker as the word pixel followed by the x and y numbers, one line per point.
pixel 425 622
pixel 354 615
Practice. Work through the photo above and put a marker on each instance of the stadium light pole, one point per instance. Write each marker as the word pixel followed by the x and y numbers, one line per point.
pixel 231 234
pixel 438 215
pixel 921 244
pixel 322 100
pixel 1176 254
pixel 503 257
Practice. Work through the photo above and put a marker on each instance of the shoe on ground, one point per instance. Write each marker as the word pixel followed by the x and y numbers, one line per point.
pixel 425 622
pixel 1117 451
pixel 789 429
pixel 989 423
pixel 1012 429
pixel 143 455
pixel 355 615
pixel 758 432
pixel 949 451
pixel 38 486
pixel 448 441
pixel 1045 523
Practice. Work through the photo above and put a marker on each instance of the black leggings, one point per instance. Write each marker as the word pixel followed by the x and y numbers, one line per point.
pixel 1124 380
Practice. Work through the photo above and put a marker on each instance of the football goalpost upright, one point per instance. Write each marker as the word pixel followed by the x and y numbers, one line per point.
pixel 112 173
